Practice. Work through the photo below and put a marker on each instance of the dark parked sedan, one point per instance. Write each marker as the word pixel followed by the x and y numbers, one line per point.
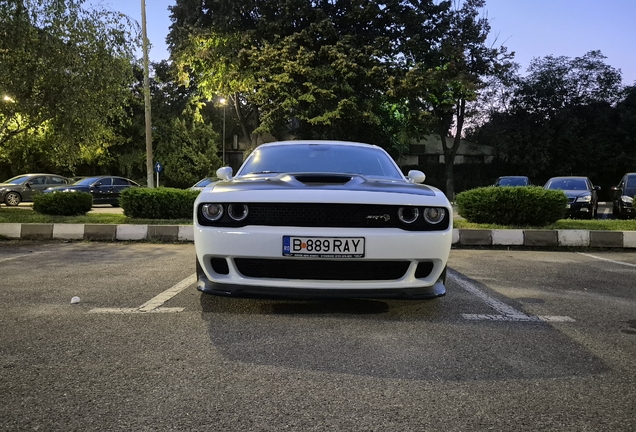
pixel 623 197
pixel 512 181
pixel 582 195
pixel 23 187
pixel 105 189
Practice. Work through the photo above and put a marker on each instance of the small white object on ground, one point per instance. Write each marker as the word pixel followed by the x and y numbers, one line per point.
pixel 75 300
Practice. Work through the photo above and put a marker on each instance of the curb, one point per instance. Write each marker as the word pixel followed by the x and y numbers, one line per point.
pixel 99 232
pixel 185 233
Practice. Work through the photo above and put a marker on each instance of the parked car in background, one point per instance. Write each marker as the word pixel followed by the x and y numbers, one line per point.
pixel 22 188
pixel 201 184
pixel 322 218
pixel 623 197
pixel 105 189
pixel 513 181
pixel 582 195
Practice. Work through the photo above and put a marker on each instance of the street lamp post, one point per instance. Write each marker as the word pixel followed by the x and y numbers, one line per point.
pixel 223 102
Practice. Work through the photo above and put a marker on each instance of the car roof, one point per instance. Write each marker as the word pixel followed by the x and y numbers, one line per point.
pixel 328 142
pixel 569 177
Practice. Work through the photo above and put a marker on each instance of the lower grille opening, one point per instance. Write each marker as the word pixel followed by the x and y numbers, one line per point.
pixel 219 265
pixel 423 270
pixel 321 269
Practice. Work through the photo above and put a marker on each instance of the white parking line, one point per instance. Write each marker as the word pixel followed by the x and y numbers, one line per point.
pixel 504 311
pixel 154 304
pixel 607 259
pixel 16 257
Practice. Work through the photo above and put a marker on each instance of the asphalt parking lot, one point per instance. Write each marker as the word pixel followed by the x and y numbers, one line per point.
pixel 524 340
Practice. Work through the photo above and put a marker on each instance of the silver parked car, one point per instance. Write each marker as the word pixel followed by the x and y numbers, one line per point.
pixel 23 187
pixel 201 184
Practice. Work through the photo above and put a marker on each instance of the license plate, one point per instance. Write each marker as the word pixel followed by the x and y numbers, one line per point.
pixel 323 247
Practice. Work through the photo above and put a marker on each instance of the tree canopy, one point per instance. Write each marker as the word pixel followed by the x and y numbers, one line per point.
pixel 65 71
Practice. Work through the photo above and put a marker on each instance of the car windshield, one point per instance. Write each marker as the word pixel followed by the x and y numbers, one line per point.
pixel 513 181
pixel 567 184
pixel 86 181
pixel 631 182
pixel 321 158
pixel 18 179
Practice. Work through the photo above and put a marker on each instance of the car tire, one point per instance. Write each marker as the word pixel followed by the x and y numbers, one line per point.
pixel 12 199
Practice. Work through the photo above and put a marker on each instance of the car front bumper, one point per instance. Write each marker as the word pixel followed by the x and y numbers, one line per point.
pixel 577 209
pixel 384 247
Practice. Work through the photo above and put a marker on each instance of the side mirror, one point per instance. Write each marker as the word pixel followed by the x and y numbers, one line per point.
pixel 28 184
pixel 597 188
pixel 615 189
pixel 416 176
pixel 224 173
pixel 96 184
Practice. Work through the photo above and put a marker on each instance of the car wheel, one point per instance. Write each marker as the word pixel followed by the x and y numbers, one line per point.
pixel 12 199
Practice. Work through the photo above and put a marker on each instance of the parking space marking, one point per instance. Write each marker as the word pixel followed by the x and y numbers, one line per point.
pixel 607 259
pixel 154 304
pixel 504 312
pixel 16 257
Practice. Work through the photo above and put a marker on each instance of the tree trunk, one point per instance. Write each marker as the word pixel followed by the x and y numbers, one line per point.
pixel 242 119
pixel 449 174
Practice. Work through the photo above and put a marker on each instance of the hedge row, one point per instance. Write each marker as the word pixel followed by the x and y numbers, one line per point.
pixel 141 203
pixel 159 203
pixel 516 206
pixel 63 203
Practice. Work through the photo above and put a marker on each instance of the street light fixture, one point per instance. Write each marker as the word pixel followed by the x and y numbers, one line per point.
pixel 223 102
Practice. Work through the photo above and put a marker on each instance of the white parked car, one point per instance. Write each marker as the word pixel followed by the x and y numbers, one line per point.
pixel 322 218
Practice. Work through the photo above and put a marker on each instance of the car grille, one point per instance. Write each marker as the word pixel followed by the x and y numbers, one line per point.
pixel 321 269
pixel 326 215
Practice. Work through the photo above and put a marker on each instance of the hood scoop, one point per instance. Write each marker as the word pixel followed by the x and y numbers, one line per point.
pixel 323 178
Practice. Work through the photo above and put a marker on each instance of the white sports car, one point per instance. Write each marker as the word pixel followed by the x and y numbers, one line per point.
pixel 322 218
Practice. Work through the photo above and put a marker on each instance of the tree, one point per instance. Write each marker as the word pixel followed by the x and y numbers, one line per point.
pixel 184 141
pixel 445 77
pixel 563 119
pixel 312 69
pixel 65 72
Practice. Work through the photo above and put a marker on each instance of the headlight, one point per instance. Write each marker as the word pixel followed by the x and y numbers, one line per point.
pixel 237 212
pixel 627 199
pixel 434 215
pixel 586 198
pixel 408 215
pixel 212 212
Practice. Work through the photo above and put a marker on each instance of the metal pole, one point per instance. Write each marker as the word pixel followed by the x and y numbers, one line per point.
pixel 149 165
pixel 224 132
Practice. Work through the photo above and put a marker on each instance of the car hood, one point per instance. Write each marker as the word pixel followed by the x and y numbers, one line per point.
pixel 630 191
pixel 349 182
pixel 576 193
pixel 10 185
pixel 59 188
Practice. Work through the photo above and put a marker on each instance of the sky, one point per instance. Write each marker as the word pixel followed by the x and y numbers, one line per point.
pixel 530 28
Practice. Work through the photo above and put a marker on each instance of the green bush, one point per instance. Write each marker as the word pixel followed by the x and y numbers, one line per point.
pixel 517 206
pixel 158 203
pixel 63 203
